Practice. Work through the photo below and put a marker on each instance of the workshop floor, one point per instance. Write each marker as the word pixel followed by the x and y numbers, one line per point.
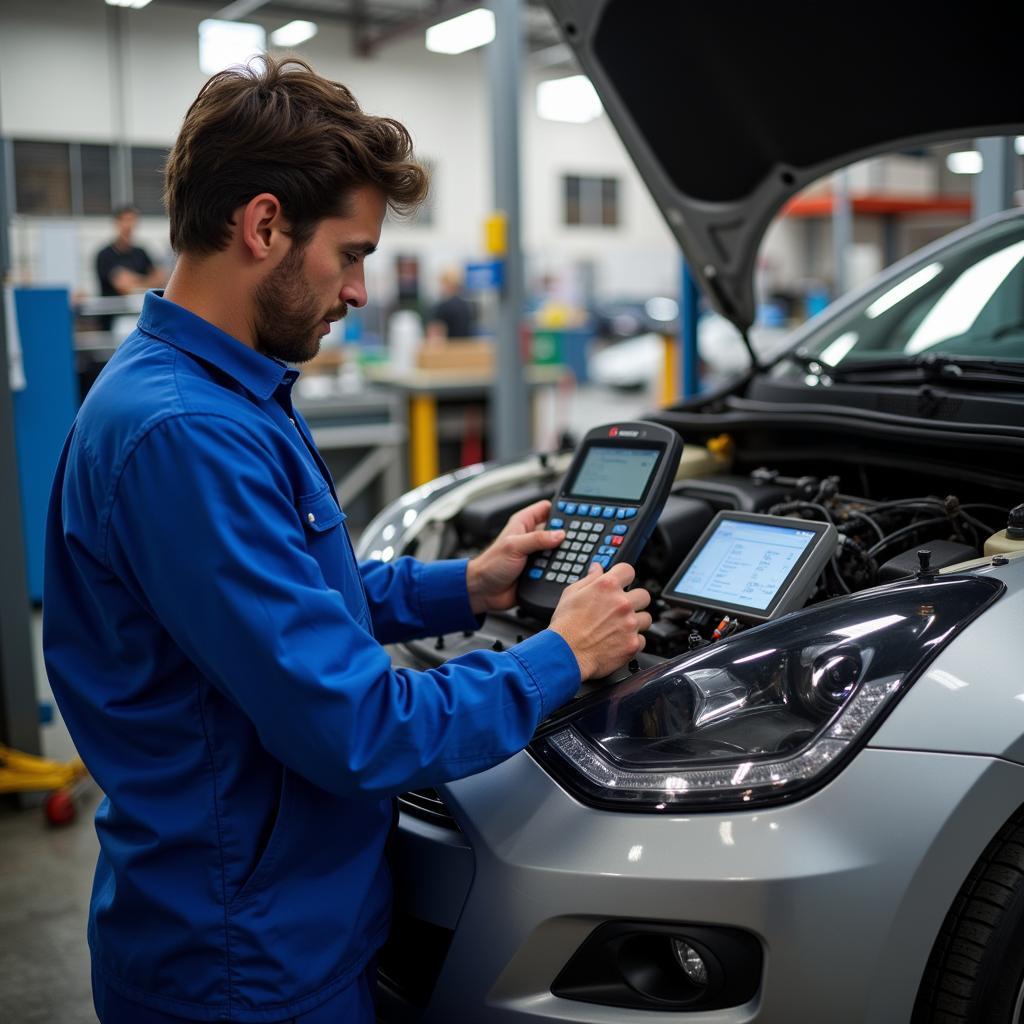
pixel 46 873
pixel 45 878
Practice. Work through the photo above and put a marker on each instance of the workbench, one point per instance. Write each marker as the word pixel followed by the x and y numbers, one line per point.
pixel 426 390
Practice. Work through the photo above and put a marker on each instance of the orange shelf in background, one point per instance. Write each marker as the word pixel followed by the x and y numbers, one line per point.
pixel 821 205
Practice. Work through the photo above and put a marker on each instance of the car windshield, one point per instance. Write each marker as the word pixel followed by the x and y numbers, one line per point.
pixel 967 301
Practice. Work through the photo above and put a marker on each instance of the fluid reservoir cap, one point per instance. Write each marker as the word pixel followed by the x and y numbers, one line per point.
pixel 1015 523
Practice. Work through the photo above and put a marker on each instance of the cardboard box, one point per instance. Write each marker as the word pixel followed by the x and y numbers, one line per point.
pixel 471 354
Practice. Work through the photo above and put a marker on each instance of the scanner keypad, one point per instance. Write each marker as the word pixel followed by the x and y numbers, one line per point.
pixel 596 538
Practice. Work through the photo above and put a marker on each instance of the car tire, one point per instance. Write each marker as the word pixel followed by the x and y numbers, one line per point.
pixel 975 974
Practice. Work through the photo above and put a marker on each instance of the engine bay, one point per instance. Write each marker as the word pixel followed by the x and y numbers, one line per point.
pixel 882 522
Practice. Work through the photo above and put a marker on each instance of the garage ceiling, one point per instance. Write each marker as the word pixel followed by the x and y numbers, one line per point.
pixel 376 23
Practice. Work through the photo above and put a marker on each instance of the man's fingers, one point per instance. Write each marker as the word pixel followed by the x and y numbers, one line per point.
pixel 643 622
pixel 638 598
pixel 533 515
pixel 536 540
pixel 623 574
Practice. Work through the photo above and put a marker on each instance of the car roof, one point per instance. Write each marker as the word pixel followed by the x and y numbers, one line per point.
pixel 728 109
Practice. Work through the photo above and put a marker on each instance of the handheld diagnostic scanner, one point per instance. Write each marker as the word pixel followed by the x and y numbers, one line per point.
pixel 608 503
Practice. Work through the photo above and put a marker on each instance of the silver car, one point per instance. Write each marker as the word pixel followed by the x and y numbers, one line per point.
pixel 820 818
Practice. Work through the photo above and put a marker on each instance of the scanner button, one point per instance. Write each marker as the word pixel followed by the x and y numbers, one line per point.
pixel 594 538
pixel 550 577
pixel 570 508
pixel 621 528
pixel 571 535
pixel 557 566
pixel 572 579
pixel 587 526
pixel 609 512
pixel 574 524
pixel 604 550
pixel 621 513
pixel 536 574
pixel 560 578
pixel 630 513
pixel 615 541
pixel 583 510
pixel 556 524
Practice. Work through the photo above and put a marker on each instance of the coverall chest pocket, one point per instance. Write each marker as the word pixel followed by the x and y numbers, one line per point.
pixel 328 542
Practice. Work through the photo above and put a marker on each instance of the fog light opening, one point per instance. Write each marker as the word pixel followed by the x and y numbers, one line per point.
pixel 691 962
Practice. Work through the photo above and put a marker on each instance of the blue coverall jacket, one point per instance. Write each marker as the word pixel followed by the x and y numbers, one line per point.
pixel 216 653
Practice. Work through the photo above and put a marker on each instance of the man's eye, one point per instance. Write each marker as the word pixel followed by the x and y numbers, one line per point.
pixel 351 258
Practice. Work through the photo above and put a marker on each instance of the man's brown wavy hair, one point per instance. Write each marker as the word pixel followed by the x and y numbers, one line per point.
pixel 277 126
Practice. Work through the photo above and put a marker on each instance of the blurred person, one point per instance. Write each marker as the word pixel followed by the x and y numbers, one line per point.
pixel 215 648
pixel 123 267
pixel 453 316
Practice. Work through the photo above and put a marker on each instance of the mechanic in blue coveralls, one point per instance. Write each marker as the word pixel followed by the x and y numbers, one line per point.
pixel 213 645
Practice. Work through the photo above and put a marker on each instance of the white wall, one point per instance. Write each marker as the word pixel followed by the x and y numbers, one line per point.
pixel 57 80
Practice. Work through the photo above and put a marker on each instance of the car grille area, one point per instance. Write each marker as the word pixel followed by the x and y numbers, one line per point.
pixel 427 805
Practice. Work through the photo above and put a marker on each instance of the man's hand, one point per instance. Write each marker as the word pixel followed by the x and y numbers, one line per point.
pixel 602 621
pixel 491 577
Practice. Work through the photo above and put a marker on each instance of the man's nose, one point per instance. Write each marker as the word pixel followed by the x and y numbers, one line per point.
pixel 353 291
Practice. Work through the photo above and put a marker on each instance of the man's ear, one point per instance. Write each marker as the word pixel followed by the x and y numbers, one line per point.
pixel 262 226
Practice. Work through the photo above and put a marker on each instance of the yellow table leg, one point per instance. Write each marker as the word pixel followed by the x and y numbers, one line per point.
pixel 669 370
pixel 423 460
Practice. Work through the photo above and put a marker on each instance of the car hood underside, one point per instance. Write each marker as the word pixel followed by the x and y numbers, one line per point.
pixel 729 109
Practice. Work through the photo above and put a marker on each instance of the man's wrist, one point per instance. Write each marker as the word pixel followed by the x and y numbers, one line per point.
pixel 475 588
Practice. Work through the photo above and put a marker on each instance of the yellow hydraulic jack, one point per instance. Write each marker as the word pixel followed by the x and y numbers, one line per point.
pixel 27 773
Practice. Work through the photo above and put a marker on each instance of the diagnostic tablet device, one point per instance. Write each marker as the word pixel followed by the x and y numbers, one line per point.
pixel 756 567
pixel 608 504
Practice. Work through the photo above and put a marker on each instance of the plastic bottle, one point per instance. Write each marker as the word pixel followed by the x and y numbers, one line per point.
pixel 1010 539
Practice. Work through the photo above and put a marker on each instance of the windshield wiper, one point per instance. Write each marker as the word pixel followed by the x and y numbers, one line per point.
pixel 930 367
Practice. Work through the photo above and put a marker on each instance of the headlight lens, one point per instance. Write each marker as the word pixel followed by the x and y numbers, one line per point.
pixel 763 716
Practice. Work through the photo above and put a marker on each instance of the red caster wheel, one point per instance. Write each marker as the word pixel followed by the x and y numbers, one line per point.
pixel 59 808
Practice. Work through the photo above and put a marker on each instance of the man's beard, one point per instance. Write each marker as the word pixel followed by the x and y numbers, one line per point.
pixel 288 318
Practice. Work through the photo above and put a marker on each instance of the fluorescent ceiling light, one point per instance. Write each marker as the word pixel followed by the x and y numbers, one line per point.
pixel 572 99
pixel 223 44
pixel 294 33
pixel 962 303
pixel 837 350
pixel 466 32
pixel 897 294
pixel 136 4
pixel 1018 145
pixel 967 161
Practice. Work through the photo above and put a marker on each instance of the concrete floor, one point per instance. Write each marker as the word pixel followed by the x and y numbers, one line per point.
pixel 45 879
pixel 46 873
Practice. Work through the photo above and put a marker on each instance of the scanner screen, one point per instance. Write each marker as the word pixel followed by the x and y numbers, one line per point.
pixel 614 473
pixel 744 564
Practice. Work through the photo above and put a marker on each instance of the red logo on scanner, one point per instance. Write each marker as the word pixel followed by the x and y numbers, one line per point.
pixel 614 432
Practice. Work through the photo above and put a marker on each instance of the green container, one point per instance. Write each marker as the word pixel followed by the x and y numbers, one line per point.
pixel 546 349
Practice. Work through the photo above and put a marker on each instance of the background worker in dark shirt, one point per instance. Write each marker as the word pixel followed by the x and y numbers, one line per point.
pixel 122 266
pixel 454 316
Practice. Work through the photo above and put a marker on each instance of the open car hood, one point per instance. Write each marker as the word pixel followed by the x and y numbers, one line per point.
pixel 730 108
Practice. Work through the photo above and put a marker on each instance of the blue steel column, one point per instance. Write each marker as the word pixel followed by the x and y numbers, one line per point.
pixel 993 188
pixel 510 400
pixel 689 361
pixel 842 233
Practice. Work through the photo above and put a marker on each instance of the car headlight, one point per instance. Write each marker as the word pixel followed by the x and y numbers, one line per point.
pixel 765 716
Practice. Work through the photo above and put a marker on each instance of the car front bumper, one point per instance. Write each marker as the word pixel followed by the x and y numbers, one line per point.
pixel 846 890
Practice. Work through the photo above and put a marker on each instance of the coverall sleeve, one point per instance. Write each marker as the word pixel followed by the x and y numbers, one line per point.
pixel 203 530
pixel 410 599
